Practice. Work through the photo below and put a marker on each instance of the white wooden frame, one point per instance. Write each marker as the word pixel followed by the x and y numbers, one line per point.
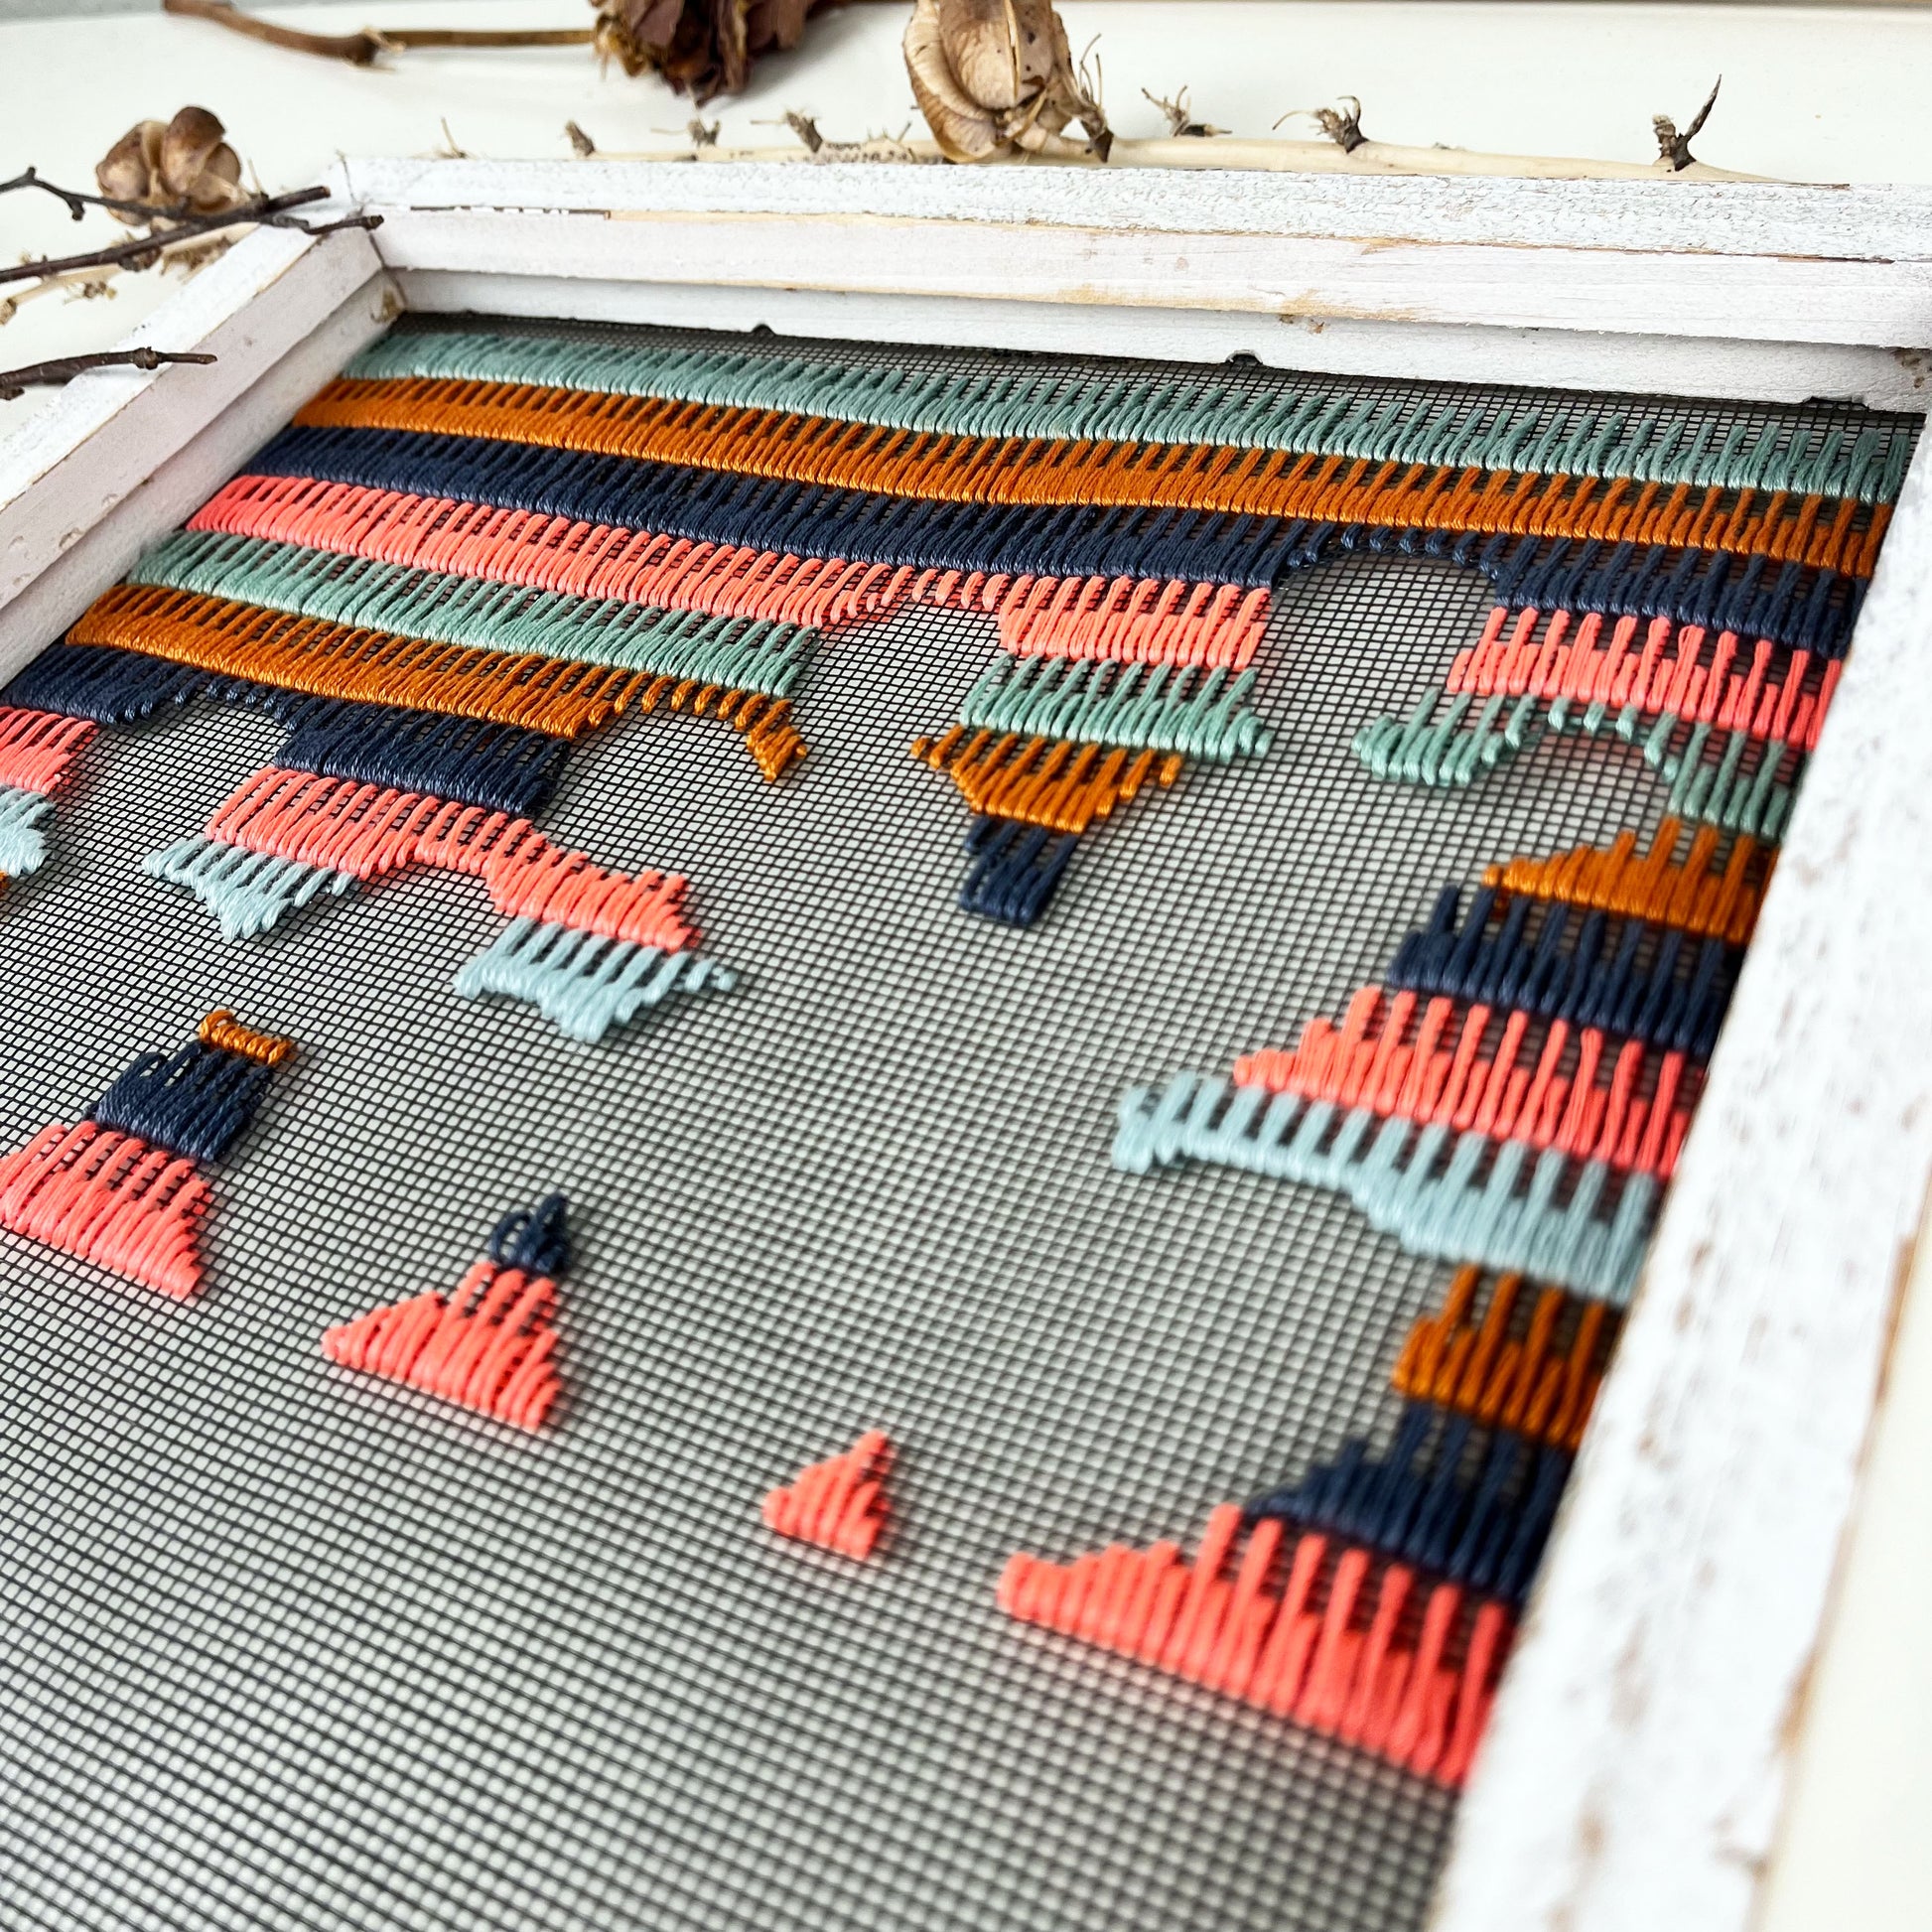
pixel 1634 1770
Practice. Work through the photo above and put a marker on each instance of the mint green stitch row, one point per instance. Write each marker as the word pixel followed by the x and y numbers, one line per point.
pixel 1469 1211
pixel 740 653
pixel 1116 406
pixel 248 891
pixel 583 983
pixel 1422 749
pixel 1143 708
pixel 23 845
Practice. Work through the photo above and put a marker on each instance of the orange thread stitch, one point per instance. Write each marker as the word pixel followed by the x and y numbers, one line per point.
pixel 1522 1383
pixel 1050 781
pixel 839 1503
pixel 221 1028
pixel 995 470
pixel 1709 903
pixel 309 654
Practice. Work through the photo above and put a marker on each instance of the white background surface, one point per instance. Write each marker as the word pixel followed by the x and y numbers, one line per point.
pixel 1828 94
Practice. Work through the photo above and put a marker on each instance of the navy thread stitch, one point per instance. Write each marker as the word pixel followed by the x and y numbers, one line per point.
pixel 534 1239
pixel 1677 1003
pixel 1017 869
pixel 193 1103
pixel 1416 1505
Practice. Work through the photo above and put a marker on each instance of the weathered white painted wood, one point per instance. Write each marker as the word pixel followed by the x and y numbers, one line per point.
pixel 1881 378
pixel 108 431
pixel 1635 1769
pixel 1742 297
pixel 38 614
pixel 1882 225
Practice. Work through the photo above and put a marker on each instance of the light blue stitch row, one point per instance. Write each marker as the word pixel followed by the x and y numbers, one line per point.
pixel 23 845
pixel 740 653
pixel 1451 1215
pixel 1120 405
pixel 1426 750
pixel 1422 749
pixel 1202 713
pixel 583 982
pixel 249 893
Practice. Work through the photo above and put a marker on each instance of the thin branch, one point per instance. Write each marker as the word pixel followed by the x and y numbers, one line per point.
pixel 360 49
pixel 15 384
pixel 270 211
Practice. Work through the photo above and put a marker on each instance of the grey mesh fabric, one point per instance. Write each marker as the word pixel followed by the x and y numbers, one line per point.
pixel 286 1647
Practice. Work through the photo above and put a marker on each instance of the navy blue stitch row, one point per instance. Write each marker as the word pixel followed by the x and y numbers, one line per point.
pixel 193 1103
pixel 807 519
pixel 1806 608
pixel 1415 1506
pixel 534 1239
pixel 475 762
pixel 1016 868
pixel 1676 1005
pixel 113 687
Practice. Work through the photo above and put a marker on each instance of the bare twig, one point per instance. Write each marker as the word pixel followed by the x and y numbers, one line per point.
pixel 1675 147
pixel 271 212
pixel 1182 124
pixel 449 151
pixel 362 49
pixel 15 384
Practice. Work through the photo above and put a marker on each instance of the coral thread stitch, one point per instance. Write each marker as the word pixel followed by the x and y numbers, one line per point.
pixel 995 470
pixel 489 1345
pixel 1269 1635
pixel 839 1503
pixel 543 552
pixel 364 832
pixel 1122 404
pixel 38 749
pixel 1394 1055
pixel 112 1200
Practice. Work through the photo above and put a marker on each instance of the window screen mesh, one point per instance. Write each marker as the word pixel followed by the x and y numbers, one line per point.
pixel 290 1647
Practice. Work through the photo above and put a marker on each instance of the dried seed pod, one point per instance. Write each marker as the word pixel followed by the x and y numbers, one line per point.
pixel 183 163
pixel 701 47
pixel 996 77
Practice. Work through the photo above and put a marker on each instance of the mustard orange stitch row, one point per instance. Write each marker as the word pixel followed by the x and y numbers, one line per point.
pixel 1010 469
pixel 1050 781
pixel 221 1028
pixel 331 660
pixel 1527 1385
pixel 1692 897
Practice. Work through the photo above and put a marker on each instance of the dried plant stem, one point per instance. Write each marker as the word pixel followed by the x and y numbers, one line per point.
pixel 16 382
pixel 1269 157
pixel 360 49
pixel 268 211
